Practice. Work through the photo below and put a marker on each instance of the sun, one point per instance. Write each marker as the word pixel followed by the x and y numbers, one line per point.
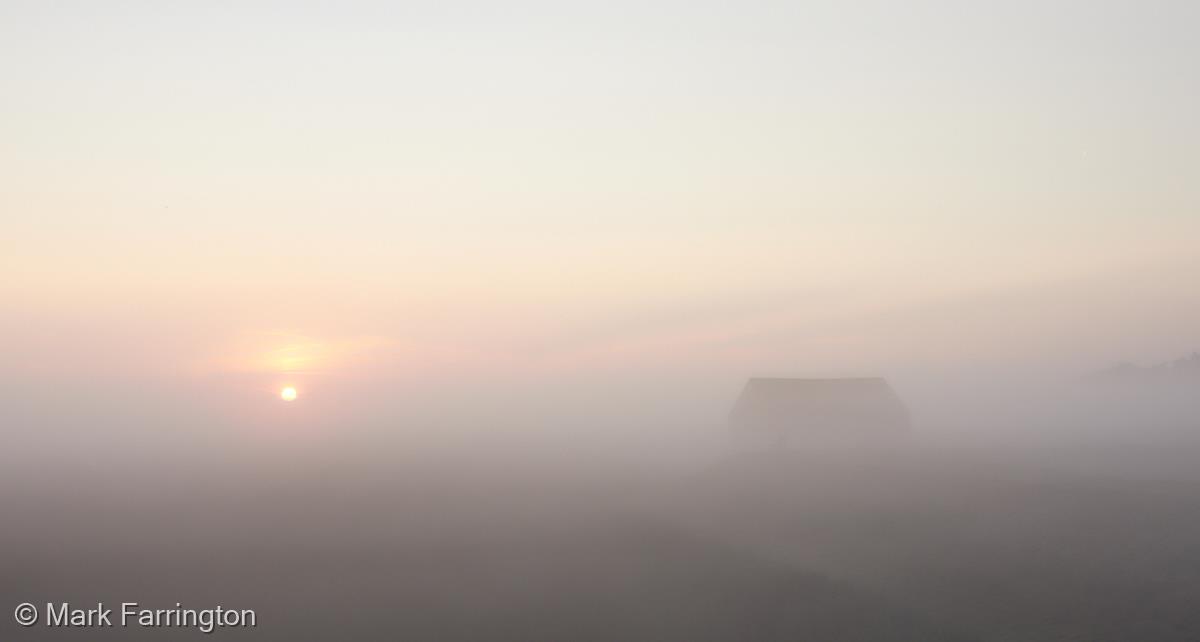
pixel 288 394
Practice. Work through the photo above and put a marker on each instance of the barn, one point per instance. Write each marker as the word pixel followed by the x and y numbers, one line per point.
pixel 799 409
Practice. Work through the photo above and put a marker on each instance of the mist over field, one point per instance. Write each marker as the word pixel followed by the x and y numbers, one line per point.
pixel 650 320
pixel 1073 514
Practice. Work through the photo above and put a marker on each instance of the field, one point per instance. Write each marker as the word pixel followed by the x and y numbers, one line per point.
pixel 902 543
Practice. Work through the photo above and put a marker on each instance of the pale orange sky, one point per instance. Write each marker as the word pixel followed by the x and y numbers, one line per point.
pixel 648 189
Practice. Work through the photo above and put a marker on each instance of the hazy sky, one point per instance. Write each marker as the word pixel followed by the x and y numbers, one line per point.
pixel 592 190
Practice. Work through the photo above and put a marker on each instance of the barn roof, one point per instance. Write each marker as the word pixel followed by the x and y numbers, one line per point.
pixel 818 404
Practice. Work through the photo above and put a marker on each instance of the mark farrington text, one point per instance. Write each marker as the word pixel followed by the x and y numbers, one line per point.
pixel 64 614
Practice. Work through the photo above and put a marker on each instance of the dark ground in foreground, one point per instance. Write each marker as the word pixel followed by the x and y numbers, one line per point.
pixel 767 546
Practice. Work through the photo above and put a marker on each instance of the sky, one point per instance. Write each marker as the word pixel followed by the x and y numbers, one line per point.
pixel 416 200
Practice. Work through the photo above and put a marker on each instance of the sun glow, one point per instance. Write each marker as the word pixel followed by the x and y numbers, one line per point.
pixel 288 394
